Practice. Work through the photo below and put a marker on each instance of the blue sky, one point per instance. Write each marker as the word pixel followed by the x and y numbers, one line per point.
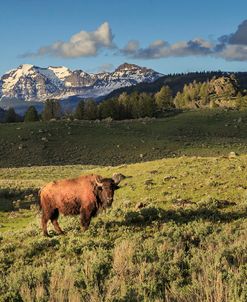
pixel 168 36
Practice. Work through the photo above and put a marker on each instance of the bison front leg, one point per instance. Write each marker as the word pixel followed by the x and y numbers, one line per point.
pixel 85 217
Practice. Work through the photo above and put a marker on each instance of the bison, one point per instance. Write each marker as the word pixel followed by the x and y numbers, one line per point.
pixel 84 195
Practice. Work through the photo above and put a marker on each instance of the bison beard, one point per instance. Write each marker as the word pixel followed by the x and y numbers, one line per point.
pixel 85 195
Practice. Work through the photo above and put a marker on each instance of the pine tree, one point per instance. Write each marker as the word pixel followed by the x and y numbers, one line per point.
pixel 90 110
pixel 52 110
pixel 107 109
pixel 135 106
pixel 164 99
pixel 31 115
pixel 146 105
pixel 79 111
pixel 125 104
pixel 11 116
pixel 178 100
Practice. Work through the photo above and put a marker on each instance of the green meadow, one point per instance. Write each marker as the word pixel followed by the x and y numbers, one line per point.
pixel 111 143
pixel 177 228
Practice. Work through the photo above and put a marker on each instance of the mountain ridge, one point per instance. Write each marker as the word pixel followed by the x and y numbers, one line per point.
pixel 33 83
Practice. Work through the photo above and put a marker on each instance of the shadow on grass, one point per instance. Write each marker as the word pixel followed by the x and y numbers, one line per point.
pixel 14 200
pixel 149 215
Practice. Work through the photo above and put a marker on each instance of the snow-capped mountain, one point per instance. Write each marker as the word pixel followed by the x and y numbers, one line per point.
pixel 33 83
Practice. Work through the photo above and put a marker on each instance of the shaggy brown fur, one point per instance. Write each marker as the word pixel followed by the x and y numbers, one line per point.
pixel 84 195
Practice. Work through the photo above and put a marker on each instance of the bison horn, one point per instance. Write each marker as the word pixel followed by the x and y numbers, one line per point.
pixel 117 177
pixel 98 181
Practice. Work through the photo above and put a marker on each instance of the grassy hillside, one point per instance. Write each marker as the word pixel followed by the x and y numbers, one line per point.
pixel 202 133
pixel 187 242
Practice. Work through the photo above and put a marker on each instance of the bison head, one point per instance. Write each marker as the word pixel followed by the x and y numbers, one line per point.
pixel 105 188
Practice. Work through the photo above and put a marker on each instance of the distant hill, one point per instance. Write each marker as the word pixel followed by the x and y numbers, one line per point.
pixel 177 81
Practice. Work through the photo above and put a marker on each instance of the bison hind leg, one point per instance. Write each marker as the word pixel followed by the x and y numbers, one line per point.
pixel 54 218
pixel 44 221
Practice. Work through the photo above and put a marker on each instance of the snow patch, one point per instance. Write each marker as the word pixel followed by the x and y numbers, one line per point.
pixel 61 72
pixel 14 76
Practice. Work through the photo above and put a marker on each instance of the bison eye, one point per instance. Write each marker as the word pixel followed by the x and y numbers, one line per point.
pixel 106 188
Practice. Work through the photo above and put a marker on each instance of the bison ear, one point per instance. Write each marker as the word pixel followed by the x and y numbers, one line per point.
pixel 117 178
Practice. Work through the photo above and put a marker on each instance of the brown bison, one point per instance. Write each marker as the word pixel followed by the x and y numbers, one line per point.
pixel 85 195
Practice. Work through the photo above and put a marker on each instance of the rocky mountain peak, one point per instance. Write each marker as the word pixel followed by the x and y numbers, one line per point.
pixel 127 66
pixel 131 68
pixel 33 83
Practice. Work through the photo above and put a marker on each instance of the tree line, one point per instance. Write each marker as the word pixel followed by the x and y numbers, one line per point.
pixel 221 92
pixel 134 105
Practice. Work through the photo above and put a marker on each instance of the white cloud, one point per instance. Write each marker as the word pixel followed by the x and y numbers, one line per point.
pixel 131 47
pixel 233 53
pixel 158 44
pixel 230 46
pixel 82 44
pixel 162 49
pixel 240 36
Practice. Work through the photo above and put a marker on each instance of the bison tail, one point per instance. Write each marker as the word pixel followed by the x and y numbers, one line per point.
pixel 39 200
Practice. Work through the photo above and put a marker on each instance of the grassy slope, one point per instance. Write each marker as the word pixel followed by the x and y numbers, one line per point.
pixel 187 244
pixel 205 133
